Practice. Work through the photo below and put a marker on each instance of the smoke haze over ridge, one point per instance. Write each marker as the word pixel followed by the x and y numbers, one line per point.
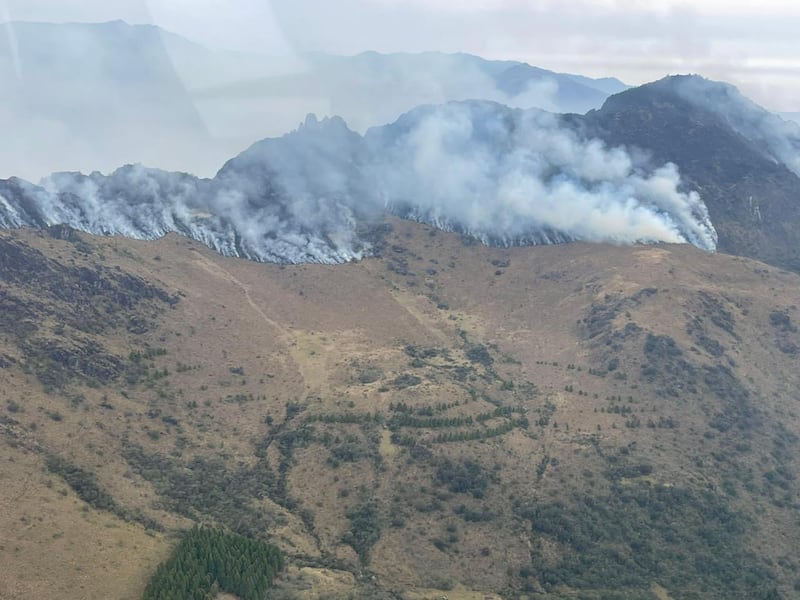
pixel 542 181
pixel 506 176
pixel 106 94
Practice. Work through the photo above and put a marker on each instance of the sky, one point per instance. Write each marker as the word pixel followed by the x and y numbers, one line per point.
pixel 753 45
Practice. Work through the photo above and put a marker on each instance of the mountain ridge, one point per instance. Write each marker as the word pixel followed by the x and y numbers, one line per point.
pixel 747 175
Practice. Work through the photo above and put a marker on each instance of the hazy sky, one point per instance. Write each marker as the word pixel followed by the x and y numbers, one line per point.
pixel 754 45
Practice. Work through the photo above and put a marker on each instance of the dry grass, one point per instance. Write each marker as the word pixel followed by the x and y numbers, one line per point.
pixel 271 335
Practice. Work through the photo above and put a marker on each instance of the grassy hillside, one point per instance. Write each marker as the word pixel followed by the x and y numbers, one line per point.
pixel 574 421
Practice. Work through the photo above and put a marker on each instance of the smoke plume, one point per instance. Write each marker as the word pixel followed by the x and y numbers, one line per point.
pixel 505 176
pixel 520 177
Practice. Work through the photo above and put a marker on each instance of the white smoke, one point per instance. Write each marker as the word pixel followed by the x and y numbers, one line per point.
pixel 506 176
pixel 510 177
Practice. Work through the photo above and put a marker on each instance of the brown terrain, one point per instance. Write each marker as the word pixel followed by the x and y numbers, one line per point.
pixel 442 420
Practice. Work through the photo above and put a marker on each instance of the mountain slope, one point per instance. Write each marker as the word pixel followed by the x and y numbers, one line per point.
pixel 742 160
pixel 568 94
pixel 554 420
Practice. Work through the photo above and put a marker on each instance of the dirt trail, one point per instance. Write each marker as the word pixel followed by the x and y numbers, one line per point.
pixel 218 271
pixel 308 358
pixel 414 306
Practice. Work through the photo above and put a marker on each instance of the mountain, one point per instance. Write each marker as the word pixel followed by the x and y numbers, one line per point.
pixel 742 160
pixel 683 159
pixel 441 419
pixel 569 93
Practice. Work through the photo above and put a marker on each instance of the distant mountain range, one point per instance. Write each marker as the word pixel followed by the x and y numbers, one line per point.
pixel 106 94
pixel 373 89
